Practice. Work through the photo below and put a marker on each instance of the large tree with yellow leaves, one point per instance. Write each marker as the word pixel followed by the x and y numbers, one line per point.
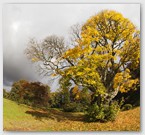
pixel 106 48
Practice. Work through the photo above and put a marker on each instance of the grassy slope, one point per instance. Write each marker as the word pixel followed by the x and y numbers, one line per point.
pixel 16 118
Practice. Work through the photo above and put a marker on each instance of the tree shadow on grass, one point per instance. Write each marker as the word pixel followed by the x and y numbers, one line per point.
pixel 38 114
pixel 56 115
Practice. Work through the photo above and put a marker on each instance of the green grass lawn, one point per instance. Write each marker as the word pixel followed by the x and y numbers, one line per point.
pixel 24 118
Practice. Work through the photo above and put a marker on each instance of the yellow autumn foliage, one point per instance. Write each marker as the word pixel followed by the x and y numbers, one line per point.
pixel 124 81
pixel 108 43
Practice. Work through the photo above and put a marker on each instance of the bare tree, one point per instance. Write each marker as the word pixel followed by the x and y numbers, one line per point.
pixel 75 34
pixel 48 53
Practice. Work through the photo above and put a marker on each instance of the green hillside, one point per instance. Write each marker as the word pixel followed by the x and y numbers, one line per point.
pixel 23 118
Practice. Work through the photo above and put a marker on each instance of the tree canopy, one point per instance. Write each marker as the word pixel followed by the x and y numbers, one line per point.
pixel 106 47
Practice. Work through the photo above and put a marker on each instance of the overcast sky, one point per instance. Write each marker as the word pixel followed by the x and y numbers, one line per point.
pixel 24 21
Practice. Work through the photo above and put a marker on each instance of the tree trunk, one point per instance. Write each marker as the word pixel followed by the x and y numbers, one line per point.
pixel 111 95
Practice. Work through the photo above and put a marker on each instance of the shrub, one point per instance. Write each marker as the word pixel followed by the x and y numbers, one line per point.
pixel 55 100
pixel 102 113
pixel 111 111
pixel 126 107
pixel 74 107
pixel 93 113
pixel 70 107
pixel 80 107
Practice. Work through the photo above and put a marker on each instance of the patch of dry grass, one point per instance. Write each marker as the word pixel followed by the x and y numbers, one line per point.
pixel 22 118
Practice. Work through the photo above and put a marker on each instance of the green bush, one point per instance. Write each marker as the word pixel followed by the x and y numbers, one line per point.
pixel 74 107
pixel 111 111
pixel 80 107
pixel 102 113
pixel 70 107
pixel 126 107
pixel 55 100
pixel 93 113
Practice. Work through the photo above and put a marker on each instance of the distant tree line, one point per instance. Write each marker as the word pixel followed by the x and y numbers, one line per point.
pixel 36 94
